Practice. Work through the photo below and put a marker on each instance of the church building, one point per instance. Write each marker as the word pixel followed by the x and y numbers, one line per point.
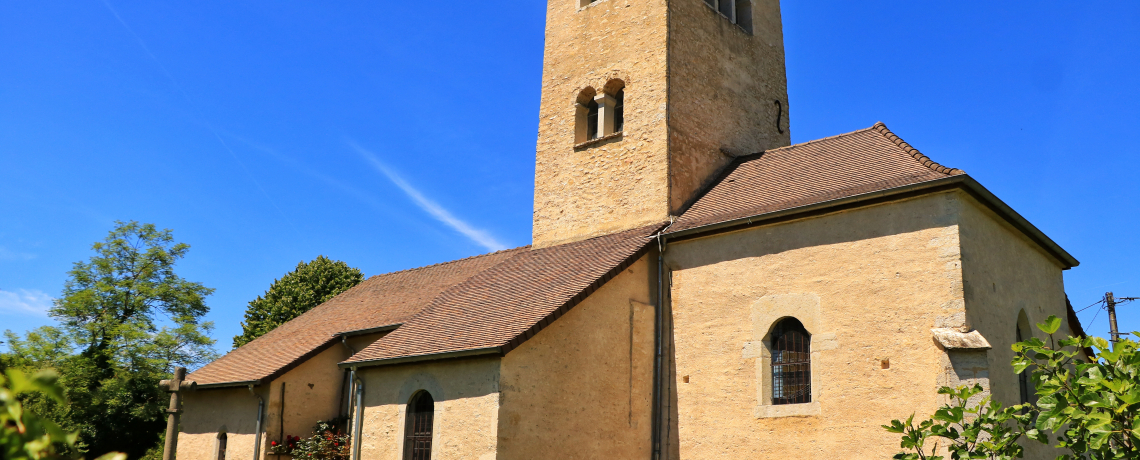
pixel 697 287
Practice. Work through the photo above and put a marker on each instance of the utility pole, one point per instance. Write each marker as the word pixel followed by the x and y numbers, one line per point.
pixel 1114 333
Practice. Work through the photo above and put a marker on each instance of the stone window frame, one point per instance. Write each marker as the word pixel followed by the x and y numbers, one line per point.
pixel 767 311
pixel 608 114
pixel 422 381
pixel 738 12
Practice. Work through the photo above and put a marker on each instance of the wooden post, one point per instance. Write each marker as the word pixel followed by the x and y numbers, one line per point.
pixel 175 387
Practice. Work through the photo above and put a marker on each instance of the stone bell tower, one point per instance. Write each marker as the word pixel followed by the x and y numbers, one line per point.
pixel 643 101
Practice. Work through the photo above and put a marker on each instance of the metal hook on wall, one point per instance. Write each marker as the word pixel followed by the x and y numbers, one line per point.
pixel 779 116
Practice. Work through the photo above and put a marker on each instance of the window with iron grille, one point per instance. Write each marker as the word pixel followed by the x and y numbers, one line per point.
pixel 791 363
pixel 418 432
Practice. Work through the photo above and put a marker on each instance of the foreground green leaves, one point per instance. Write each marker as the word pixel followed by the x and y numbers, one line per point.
pixel 23 434
pixel 1090 408
pixel 966 431
pixel 1093 408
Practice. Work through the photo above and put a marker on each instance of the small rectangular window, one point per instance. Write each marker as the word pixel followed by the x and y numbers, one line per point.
pixel 744 15
pixel 727 8
pixel 711 3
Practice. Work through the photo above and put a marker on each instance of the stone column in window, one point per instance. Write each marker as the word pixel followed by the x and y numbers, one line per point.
pixel 606 105
pixel 581 124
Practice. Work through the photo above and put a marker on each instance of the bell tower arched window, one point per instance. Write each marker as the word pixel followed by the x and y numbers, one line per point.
pixel 791 363
pixel 619 111
pixel 418 431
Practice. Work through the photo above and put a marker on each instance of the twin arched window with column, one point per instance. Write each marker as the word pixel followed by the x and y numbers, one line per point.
pixel 791 362
pixel 599 115
pixel 418 427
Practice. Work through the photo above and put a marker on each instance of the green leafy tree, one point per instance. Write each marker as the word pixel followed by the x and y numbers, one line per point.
pixel 1091 407
pixel 126 320
pixel 23 434
pixel 984 430
pixel 309 285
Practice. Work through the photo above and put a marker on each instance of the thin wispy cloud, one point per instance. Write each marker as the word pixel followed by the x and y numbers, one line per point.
pixel 194 114
pixel 28 302
pixel 480 237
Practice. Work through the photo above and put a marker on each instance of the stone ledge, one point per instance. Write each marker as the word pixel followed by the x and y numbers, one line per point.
pixel 600 140
pixel 787 410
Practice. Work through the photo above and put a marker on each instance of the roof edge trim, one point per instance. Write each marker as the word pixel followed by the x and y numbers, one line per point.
pixel 1021 223
pixel 963 181
pixel 808 208
pixel 553 316
pixel 420 358
pixel 245 383
pixel 369 330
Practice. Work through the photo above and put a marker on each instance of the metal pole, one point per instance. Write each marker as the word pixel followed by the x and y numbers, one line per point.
pixel 1113 331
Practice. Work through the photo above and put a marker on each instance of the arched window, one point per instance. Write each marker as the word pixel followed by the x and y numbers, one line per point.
pixel 221 446
pixel 1024 389
pixel 586 116
pixel 418 431
pixel 592 120
pixel 791 362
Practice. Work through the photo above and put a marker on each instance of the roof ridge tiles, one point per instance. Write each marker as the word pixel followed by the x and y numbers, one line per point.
pixel 924 160
pixel 813 141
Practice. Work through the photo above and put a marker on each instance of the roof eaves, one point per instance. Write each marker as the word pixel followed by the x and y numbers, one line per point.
pixel 370 330
pixel 214 386
pixel 998 206
pixel 963 181
pixel 582 295
pixel 476 352
pixel 814 208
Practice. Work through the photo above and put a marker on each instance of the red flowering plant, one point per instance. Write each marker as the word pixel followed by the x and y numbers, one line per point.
pixel 327 442
pixel 286 446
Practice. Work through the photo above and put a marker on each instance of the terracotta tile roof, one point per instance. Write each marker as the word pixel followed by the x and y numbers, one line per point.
pixel 380 300
pixel 507 304
pixel 864 161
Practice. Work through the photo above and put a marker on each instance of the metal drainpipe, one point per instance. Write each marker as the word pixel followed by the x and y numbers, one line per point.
pixel 257 430
pixel 358 416
pixel 658 339
pixel 351 378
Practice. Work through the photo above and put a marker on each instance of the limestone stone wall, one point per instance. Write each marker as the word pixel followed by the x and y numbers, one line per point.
pixel 210 412
pixel 698 90
pixel 616 184
pixel 868 284
pixel 727 90
pixel 1004 274
pixel 466 407
pixel 313 392
pixel 582 387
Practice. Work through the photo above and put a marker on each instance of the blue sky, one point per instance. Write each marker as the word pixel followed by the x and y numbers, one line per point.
pixel 390 135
